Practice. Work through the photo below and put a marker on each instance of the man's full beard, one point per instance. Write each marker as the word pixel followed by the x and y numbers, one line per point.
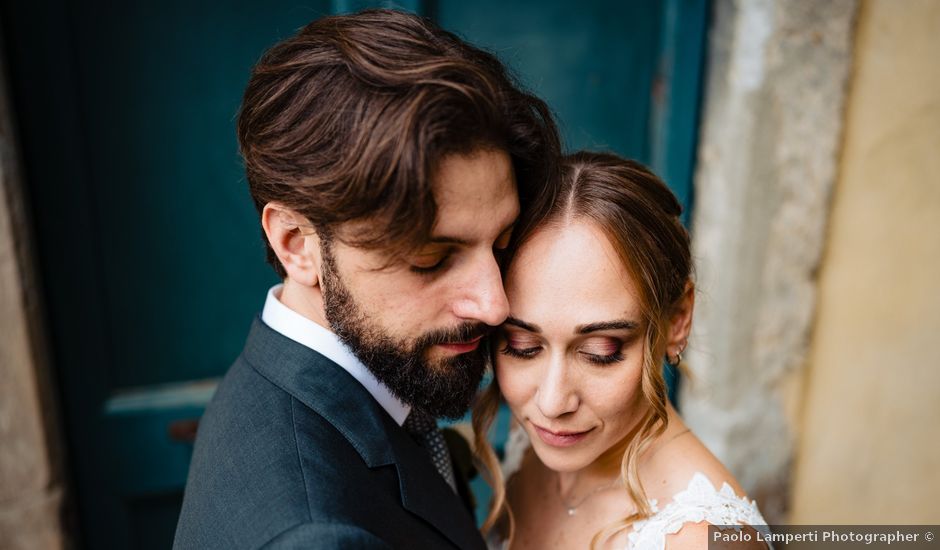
pixel 443 388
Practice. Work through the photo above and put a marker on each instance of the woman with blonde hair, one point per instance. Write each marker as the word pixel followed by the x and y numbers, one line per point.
pixel 600 292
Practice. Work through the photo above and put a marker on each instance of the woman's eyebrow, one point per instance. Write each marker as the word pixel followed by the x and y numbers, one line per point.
pixel 522 324
pixel 618 324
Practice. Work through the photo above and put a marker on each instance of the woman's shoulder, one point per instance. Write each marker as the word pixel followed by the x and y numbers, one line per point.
pixel 690 489
pixel 684 520
pixel 684 464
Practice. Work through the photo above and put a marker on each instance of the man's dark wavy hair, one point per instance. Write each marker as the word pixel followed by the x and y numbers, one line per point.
pixel 348 119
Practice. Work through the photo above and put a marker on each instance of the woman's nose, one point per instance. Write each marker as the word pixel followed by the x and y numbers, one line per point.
pixel 557 394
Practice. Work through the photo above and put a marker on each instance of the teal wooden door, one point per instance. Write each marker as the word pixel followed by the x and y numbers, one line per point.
pixel 149 247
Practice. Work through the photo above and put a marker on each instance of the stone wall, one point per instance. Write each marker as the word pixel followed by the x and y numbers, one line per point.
pixel 770 136
pixel 868 451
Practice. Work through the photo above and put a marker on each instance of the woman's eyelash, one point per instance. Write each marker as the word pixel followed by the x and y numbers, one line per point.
pixel 528 353
pixel 524 353
pixel 604 359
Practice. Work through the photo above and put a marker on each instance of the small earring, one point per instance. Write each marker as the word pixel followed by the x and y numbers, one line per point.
pixel 678 358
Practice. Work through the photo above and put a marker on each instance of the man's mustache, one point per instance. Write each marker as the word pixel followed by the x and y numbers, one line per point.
pixel 461 333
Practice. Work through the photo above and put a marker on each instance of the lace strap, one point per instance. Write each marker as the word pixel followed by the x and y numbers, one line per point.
pixel 699 502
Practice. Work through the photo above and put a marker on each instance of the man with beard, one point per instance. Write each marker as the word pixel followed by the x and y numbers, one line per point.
pixel 389 162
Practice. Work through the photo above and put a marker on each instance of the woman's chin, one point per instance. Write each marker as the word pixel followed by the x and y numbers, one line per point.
pixel 562 460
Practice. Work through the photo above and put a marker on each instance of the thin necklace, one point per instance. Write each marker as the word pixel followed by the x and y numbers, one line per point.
pixel 572 509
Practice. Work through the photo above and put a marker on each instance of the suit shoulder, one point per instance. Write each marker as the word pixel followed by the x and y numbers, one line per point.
pixel 326 535
pixel 245 445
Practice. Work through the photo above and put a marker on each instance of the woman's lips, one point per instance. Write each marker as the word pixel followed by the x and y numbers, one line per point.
pixel 462 347
pixel 560 439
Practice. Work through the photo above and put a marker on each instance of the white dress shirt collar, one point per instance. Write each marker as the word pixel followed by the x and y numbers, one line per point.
pixel 307 333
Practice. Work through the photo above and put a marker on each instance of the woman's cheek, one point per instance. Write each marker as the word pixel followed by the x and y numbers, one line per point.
pixel 512 384
pixel 619 398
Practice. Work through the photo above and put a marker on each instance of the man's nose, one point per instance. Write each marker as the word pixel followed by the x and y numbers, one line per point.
pixel 556 393
pixel 484 298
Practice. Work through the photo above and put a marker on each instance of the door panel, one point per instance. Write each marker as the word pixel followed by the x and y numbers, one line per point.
pixel 160 87
pixel 593 62
pixel 149 247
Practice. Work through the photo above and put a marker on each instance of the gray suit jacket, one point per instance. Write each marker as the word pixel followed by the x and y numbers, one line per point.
pixel 293 452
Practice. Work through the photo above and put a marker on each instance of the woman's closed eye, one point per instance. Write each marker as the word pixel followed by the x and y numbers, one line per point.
pixel 602 350
pixel 522 348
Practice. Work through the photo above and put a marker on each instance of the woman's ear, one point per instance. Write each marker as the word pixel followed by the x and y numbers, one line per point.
pixel 295 242
pixel 680 324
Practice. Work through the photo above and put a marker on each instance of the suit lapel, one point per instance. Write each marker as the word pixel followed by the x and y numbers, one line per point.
pixel 425 493
pixel 334 394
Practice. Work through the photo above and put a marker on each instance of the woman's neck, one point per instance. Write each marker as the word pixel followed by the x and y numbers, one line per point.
pixel 606 468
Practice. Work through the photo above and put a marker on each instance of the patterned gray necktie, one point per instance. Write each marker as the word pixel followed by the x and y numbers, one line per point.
pixel 424 430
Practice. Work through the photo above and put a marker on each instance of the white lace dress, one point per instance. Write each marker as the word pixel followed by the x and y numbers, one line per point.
pixel 699 501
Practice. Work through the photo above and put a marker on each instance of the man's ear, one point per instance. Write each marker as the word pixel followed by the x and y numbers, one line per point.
pixel 680 324
pixel 295 242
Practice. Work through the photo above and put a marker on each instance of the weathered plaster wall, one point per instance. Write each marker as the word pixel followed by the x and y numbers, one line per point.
pixel 771 128
pixel 31 492
pixel 868 447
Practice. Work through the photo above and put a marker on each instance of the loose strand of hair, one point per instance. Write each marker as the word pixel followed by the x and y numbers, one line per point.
pixel 484 412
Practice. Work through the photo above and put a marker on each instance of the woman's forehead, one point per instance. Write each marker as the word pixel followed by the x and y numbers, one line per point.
pixel 570 271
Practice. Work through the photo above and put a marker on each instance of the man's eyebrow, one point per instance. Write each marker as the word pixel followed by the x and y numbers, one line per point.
pixel 445 239
pixel 607 325
pixel 522 324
